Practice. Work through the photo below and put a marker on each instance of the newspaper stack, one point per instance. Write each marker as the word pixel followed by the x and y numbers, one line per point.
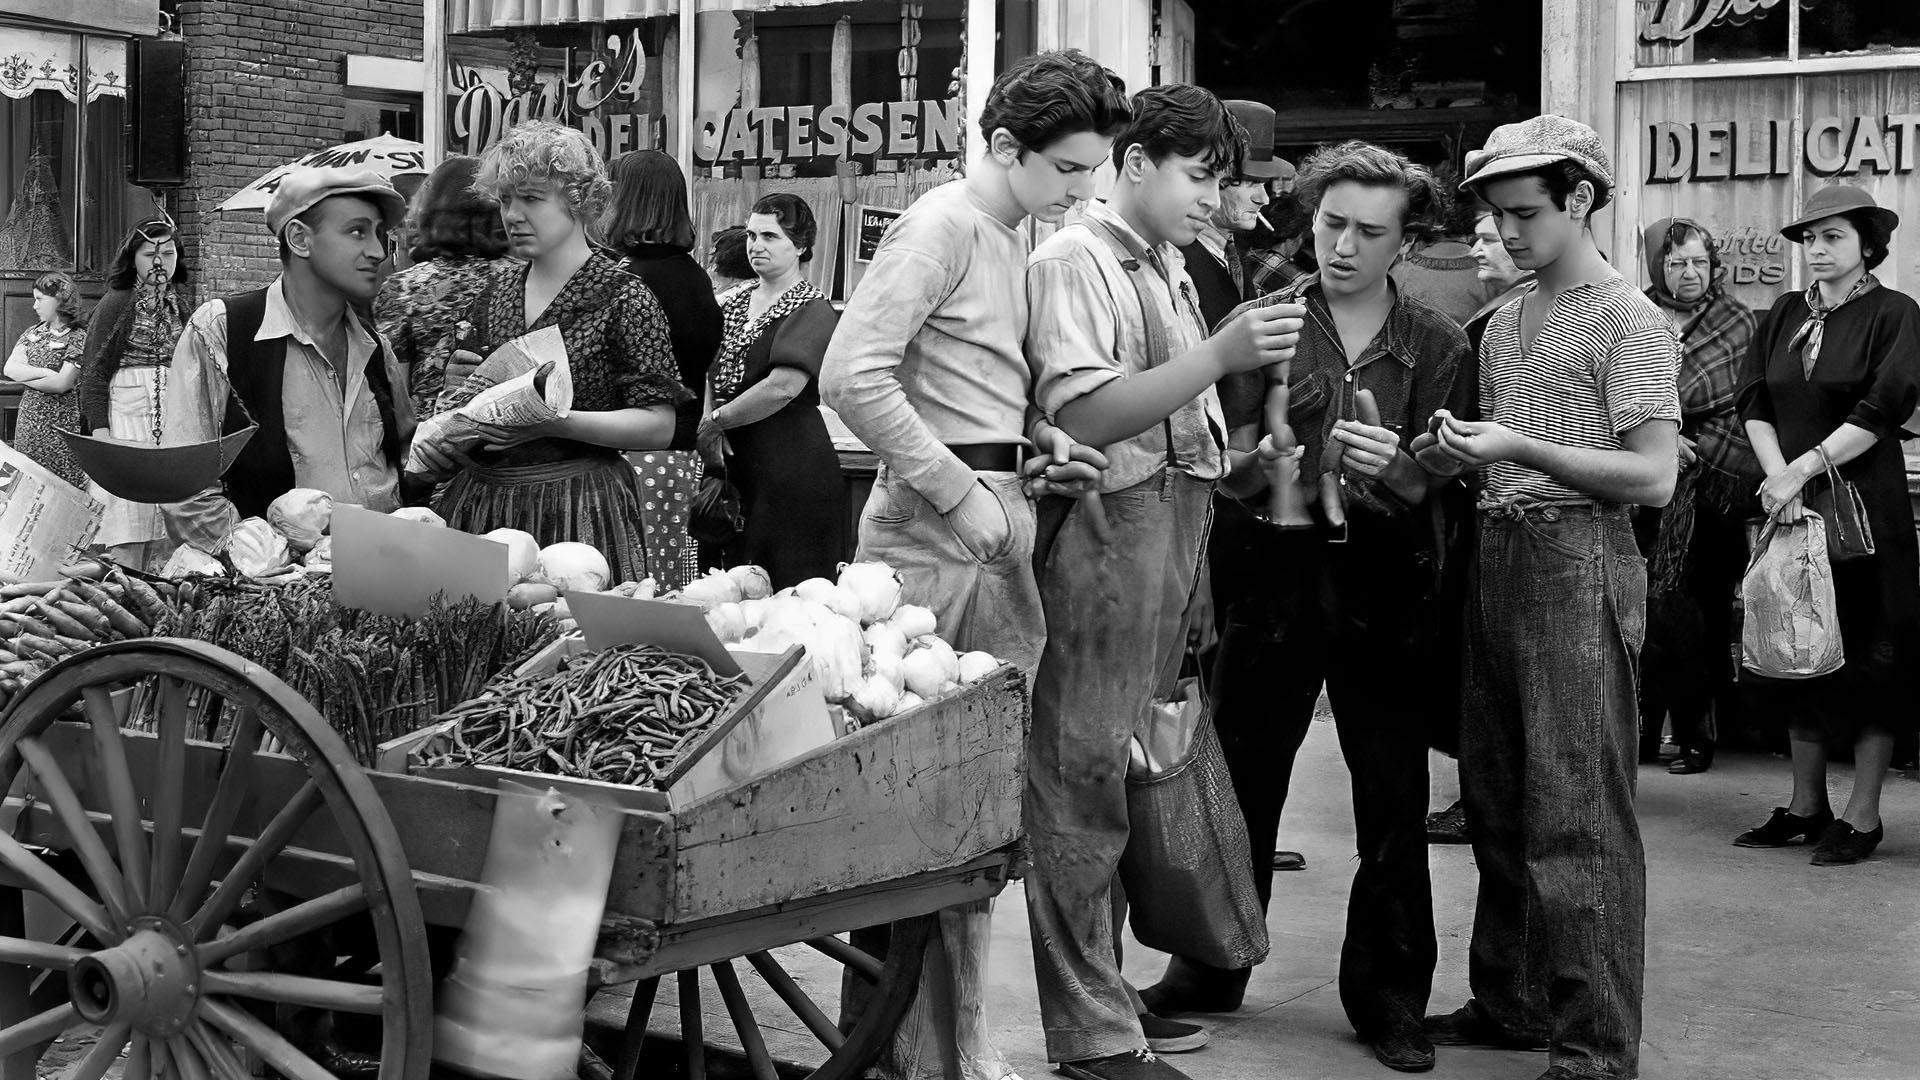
pixel 524 383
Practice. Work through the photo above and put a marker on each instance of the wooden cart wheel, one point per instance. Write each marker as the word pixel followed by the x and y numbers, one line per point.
pixel 151 965
pixel 886 987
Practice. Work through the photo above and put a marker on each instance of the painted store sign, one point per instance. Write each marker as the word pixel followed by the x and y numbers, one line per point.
pixel 604 97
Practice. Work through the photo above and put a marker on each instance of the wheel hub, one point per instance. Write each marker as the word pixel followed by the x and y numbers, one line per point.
pixel 151 980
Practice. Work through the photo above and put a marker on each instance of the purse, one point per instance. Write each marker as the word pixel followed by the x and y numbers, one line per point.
pixel 1849 536
pixel 714 517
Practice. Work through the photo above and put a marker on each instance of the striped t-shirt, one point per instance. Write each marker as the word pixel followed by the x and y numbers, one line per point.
pixel 1604 362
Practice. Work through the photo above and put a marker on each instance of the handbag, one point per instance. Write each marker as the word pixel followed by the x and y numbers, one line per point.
pixel 714 515
pixel 1186 870
pixel 1849 536
pixel 1792 624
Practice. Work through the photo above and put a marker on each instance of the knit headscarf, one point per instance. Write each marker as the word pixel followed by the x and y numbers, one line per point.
pixel 1658 242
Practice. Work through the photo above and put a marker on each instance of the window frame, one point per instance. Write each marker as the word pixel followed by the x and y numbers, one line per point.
pixel 1626 14
pixel 82 170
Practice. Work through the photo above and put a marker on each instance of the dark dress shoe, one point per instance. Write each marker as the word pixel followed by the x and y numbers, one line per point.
pixel 1448 826
pixel 1843 845
pixel 1783 828
pixel 1193 987
pixel 1405 1048
pixel 1468 1026
pixel 1689 763
pixel 1289 860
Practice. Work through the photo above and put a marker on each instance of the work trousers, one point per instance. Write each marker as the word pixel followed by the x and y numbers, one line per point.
pixel 1300 614
pixel 1116 630
pixel 1556 619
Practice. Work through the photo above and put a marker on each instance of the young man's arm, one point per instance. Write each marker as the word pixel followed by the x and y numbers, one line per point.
pixel 898 293
pixel 1643 472
pixel 195 407
pixel 1070 342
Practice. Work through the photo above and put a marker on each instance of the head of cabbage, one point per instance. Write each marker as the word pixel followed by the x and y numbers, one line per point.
pixel 302 515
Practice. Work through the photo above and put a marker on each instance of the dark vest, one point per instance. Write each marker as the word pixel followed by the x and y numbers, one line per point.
pixel 255 371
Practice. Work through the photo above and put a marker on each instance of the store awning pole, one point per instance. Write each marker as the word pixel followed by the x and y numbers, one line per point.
pixel 433 84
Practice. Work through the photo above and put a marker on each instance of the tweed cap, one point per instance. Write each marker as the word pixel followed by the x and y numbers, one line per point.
pixel 1543 140
pixel 302 189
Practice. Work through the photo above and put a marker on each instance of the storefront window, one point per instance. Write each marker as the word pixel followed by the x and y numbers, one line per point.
pixel 61 161
pixel 1708 31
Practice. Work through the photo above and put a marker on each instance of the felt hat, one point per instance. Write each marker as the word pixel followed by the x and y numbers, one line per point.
pixel 1258 162
pixel 1839 199
pixel 1543 140
pixel 302 189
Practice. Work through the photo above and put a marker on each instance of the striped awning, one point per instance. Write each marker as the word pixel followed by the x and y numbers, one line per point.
pixel 477 16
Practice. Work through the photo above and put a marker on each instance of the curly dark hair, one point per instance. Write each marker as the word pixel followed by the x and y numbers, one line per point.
pixel 795 218
pixel 1876 243
pixel 65 294
pixel 120 273
pixel 1374 166
pixel 1050 95
pixel 451 219
pixel 649 203
pixel 1184 120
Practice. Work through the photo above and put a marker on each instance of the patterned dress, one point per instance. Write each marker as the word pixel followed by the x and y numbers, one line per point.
pixel 42 415
pixel 419 310
pixel 560 489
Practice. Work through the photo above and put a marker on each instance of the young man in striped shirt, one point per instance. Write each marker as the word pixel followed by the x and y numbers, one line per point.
pixel 1578 419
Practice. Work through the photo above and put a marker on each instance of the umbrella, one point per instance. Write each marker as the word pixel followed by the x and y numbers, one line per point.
pixel 387 155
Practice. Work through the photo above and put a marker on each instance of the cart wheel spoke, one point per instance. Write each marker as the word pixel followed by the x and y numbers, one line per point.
pixel 187 1062
pixel 635 1036
pixel 103 1054
pixel 162 1056
pixel 286 925
pixel 219 1055
pixel 110 753
pixel 139 1059
pixel 864 964
pixel 296 990
pixel 34 1030
pixel 744 1024
pixel 63 893
pixel 803 1007
pixel 236 776
pixel 170 779
pixel 693 1025
pixel 79 827
pixel 272 840
pixel 264 1041
pixel 45 955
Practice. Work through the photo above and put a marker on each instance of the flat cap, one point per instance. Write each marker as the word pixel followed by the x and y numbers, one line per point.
pixel 302 189
pixel 1543 140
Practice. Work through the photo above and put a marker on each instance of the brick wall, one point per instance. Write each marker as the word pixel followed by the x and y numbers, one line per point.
pixel 263 87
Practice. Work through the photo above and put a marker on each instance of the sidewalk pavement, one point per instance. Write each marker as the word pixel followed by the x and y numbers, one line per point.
pixel 1759 966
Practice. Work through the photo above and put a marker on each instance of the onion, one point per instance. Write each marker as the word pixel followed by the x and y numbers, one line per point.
pixel 877 587
pixel 885 639
pixel 523 553
pixel 420 514
pixel 914 621
pixel 877 698
pixel 753 582
pixel 977 665
pixel 569 565
pixel 528 593
pixel 926 673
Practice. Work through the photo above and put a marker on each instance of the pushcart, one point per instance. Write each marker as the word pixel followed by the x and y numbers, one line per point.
pixel 217 889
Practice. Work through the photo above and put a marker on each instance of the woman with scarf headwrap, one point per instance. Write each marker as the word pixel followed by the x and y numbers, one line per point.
pixel 123 377
pixel 1696 546
pixel 1833 376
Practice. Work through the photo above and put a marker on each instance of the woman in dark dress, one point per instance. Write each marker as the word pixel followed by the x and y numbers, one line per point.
pixel 1835 373
pixel 651 228
pixel 566 479
pixel 765 383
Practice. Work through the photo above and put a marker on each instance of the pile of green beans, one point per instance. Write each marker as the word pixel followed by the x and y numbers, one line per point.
pixel 622 715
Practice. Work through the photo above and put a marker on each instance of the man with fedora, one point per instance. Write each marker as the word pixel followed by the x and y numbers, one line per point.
pixel 298 359
pixel 1578 419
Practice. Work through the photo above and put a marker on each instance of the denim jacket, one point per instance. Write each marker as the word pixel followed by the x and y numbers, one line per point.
pixel 1417 364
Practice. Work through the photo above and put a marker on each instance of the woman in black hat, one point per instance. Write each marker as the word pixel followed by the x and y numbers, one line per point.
pixel 1835 374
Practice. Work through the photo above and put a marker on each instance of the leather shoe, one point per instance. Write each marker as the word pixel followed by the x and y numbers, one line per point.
pixel 1192 987
pixel 1843 845
pixel 1783 828
pixel 1467 1026
pixel 1404 1048
pixel 1448 826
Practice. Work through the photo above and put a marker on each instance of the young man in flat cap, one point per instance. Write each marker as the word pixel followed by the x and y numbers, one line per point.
pixel 297 359
pixel 1579 418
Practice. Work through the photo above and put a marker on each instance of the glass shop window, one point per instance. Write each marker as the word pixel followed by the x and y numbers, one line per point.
pixel 1708 31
